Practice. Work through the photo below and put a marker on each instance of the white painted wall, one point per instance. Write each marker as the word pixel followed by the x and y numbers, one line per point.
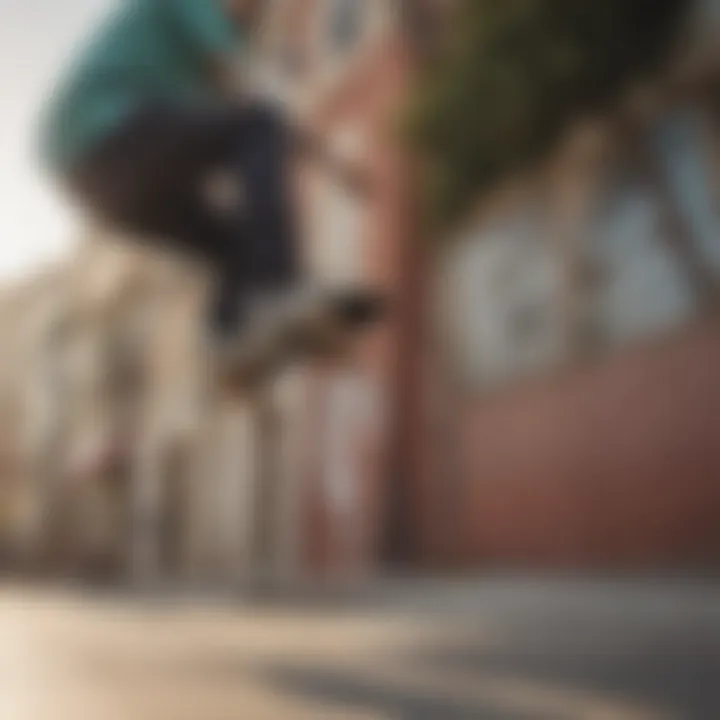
pixel 498 276
pixel 510 268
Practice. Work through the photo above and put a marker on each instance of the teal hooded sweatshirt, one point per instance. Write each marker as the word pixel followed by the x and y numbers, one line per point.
pixel 146 50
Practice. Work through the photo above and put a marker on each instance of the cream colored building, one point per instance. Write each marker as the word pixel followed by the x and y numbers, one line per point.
pixel 123 457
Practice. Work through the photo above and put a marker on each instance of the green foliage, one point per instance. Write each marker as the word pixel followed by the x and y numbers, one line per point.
pixel 516 73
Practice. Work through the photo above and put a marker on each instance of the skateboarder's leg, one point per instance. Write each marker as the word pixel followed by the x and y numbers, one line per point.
pixel 183 148
pixel 192 229
pixel 267 145
pixel 148 179
pixel 263 163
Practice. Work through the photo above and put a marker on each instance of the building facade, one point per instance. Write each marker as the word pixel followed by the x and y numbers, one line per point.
pixel 579 311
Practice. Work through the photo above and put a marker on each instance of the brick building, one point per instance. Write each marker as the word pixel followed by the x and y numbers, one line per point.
pixel 547 389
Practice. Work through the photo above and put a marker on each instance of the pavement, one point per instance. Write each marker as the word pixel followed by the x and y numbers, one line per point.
pixel 500 648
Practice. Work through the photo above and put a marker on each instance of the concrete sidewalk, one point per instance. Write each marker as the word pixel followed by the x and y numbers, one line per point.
pixel 503 648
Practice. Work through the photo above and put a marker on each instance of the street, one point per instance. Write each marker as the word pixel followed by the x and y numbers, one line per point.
pixel 503 648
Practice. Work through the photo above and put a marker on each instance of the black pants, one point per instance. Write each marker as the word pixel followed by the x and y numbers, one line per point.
pixel 149 178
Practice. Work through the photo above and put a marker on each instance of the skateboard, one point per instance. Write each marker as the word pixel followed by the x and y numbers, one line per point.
pixel 326 334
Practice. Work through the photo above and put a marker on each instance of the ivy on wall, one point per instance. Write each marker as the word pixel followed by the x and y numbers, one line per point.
pixel 516 73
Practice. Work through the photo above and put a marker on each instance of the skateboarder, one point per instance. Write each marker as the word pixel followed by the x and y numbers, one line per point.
pixel 140 124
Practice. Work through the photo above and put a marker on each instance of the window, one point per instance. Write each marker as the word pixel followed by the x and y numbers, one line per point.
pixel 685 157
pixel 124 360
pixel 646 289
pixel 345 23
pixel 337 229
pixel 336 253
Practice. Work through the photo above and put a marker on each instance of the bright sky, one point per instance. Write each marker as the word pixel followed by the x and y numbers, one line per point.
pixel 36 38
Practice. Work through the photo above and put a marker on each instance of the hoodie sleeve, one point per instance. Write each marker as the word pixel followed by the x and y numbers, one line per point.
pixel 204 26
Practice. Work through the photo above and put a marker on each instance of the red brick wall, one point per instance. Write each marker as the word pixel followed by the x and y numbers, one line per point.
pixel 616 465
pixel 370 97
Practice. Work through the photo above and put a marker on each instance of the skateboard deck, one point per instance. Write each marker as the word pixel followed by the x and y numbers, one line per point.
pixel 269 349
